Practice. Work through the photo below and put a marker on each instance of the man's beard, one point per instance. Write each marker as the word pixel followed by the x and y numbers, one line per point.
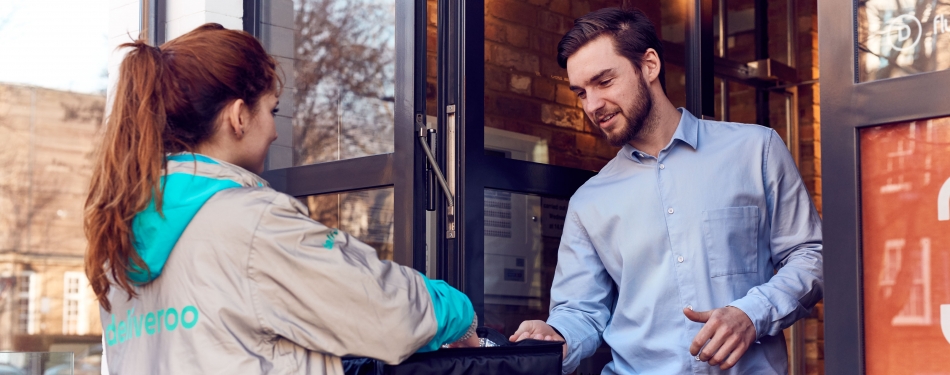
pixel 636 115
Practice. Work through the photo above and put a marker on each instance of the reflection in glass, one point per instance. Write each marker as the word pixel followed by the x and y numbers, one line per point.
pixel 522 234
pixel 366 215
pixel 902 37
pixel 905 193
pixel 47 363
pixel 344 79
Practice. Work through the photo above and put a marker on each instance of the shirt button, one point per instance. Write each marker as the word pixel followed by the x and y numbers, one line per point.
pixel 680 259
pixel 670 210
pixel 662 166
pixel 689 307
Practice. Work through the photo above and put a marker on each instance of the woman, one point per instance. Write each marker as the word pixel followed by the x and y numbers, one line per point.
pixel 200 267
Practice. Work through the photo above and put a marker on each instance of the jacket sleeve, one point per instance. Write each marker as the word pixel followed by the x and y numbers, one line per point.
pixel 328 292
pixel 796 246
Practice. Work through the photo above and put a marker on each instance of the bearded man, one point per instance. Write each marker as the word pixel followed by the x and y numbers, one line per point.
pixel 696 245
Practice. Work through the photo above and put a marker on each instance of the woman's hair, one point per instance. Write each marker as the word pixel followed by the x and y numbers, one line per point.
pixel 167 100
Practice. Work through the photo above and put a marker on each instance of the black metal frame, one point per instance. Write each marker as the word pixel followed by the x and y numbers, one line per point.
pixel 700 83
pixel 404 168
pixel 252 17
pixel 845 107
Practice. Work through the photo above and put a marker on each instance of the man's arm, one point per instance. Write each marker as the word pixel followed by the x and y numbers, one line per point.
pixel 581 296
pixel 796 247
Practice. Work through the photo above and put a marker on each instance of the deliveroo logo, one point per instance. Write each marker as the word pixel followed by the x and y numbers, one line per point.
pixel 151 323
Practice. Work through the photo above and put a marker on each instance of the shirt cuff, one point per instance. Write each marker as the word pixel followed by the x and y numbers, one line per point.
pixel 575 340
pixel 757 309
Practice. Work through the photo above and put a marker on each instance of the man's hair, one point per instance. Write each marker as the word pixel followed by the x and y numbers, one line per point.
pixel 630 29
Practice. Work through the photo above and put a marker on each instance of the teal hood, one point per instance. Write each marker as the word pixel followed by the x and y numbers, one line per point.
pixel 189 181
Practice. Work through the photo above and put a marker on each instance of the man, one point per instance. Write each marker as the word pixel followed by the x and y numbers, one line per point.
pixel 670 253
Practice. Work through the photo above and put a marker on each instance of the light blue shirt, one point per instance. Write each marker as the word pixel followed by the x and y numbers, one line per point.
pixel 705 224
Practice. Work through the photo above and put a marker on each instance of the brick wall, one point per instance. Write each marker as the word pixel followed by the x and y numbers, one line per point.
pixel 526 91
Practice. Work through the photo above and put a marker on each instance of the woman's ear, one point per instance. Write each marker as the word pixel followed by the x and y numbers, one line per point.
pixel 237 117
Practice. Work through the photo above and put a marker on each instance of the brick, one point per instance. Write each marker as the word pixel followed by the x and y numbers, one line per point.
pixel 432 40
pixel 544 43
pixel 563 117
pixel 554 22
pixel 517 36
pixel 543 3
pixel 563 140
pixel 586 144
pixel 561 7
pixel 566 96
pixel 520 84
pixel 516 108
pixel 811 350
pixel 549 68
pixel 512 10
pixel 579 8
pixel 517 60
pixel 811 329
pixel 432 12
pixel 496 78
pixel 544 88
pixel 432 67
pixel 495 31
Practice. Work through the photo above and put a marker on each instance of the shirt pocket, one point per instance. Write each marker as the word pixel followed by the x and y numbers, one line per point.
pixel 731 236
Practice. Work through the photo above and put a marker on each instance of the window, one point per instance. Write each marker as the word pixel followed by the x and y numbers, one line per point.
pixel 26 303
pixel 75 319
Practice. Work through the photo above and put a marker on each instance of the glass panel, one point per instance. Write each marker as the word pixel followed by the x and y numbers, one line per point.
pixel 740 33
pixel 344 79
pixel 741 103
pixel 905 194
pixel 529 109
pixel 46 363
pixel 365 214
pixel 899 38
pixel 522 234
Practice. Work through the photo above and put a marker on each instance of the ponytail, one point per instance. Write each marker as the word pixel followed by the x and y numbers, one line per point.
pixel 166 101
pixel 127 172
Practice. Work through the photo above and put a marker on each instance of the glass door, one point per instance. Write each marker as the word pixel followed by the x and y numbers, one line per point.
pixel 887 198
pixel 522 144
pixel 354 81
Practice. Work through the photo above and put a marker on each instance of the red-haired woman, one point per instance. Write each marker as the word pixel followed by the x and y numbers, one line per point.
pixel 200 267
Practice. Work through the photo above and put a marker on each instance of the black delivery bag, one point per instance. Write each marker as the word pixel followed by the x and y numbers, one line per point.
pixel 507 358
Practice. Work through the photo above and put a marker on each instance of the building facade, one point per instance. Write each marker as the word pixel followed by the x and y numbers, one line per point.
pixel 47 140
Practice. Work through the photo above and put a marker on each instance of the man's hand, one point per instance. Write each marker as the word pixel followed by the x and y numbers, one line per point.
pixel 727 334
pixel 538 330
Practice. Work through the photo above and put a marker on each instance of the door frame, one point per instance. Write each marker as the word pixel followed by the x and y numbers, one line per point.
pixel 847 106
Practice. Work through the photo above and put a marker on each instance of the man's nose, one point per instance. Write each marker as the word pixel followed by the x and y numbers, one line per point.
pixel 593 104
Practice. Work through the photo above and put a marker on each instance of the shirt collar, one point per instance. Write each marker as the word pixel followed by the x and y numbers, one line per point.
pixel 686 131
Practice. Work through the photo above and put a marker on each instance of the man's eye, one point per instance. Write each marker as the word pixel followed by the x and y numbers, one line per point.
pixel 581 95
pixel 606 82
